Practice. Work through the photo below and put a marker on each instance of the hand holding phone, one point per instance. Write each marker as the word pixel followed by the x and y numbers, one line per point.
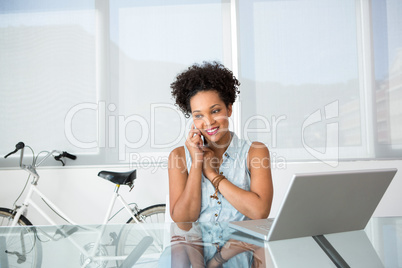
pixel 194 141
pixel 198 133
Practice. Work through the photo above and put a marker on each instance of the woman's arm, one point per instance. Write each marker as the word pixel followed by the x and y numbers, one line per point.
pixel 184 185
pixel 184 188
pixel 234 247
pixel 256 203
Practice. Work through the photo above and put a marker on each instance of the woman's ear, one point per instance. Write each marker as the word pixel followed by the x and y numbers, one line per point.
pixel 229 110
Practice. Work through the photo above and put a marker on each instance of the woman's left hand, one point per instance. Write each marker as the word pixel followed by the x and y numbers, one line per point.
pixel 210 163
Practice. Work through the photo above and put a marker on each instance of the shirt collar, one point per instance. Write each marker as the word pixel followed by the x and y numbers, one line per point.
pixel 232 150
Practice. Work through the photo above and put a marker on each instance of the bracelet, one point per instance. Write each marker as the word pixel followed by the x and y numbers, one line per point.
pixel 215 182
pixel 219 259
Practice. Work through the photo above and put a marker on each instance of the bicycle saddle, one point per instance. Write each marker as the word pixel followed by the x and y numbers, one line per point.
pixel 122 178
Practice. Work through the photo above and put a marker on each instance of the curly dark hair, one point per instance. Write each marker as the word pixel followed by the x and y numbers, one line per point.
pixel 207 76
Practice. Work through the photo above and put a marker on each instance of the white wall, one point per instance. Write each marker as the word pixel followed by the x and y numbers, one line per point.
pixel 75 190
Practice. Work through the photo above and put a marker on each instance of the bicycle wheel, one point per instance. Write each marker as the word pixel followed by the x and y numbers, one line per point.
pixel 130 236
pixel 151 214
pixel 19 245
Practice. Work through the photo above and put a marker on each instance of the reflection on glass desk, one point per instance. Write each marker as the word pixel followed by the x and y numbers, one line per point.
pixel 195 245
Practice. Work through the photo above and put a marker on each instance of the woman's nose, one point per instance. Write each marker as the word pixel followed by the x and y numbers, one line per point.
pixel 209 120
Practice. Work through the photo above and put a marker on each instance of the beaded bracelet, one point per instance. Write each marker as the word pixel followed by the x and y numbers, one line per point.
pixel 215 182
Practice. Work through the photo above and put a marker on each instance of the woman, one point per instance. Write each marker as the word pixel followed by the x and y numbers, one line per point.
pixel 216 176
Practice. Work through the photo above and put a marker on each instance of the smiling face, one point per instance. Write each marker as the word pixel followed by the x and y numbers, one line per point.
pixel 211 116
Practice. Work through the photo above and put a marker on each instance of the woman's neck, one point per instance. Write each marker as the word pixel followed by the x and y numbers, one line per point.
pixel 221 146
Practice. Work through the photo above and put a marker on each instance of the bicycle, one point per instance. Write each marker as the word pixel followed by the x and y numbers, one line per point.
pixel 25 250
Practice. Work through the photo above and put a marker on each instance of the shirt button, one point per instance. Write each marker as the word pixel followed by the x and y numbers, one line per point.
pixel 221 172
pixel 219 202
pixel 216 214
pixel 226 154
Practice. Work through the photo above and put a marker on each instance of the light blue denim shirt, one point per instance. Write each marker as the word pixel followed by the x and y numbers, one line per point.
pixel 234 168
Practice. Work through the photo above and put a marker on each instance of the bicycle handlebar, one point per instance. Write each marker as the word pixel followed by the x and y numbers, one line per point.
pixel 64 154
pixel 31 169
pixel 59 157
pixel 18 146
pixel 71 156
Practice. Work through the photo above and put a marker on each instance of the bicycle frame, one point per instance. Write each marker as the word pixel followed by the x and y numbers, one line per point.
pixel 31 169
pixel 29 201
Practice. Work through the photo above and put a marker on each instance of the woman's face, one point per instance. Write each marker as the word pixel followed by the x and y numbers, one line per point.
pixel 210 115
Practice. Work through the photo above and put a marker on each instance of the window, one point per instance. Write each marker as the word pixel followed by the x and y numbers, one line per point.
pixel 93 77
pixel 320 80
pixel 306 73
pixel 48 65
pixel 151 42
pixel 387 43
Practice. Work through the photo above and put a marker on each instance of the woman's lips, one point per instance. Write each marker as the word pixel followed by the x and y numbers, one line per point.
pixel 212 131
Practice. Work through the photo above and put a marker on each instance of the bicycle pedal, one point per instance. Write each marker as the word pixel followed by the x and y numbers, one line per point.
pixel 113 239
pixel 64 233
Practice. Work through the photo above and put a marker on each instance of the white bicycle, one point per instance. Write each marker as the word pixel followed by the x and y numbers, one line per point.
pixel 25 249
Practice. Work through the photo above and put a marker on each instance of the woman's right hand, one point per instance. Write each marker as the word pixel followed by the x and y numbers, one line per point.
pixel 194 145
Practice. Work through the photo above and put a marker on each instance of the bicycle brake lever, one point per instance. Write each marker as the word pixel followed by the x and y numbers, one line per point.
pixel 58 158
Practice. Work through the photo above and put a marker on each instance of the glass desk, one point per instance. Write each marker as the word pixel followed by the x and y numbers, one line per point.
pixel 196 244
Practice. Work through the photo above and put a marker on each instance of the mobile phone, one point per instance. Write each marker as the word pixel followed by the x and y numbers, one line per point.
pixel 204 143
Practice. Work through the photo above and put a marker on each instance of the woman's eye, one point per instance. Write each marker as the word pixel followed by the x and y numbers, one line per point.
pixel 198 116
pixel 216 111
